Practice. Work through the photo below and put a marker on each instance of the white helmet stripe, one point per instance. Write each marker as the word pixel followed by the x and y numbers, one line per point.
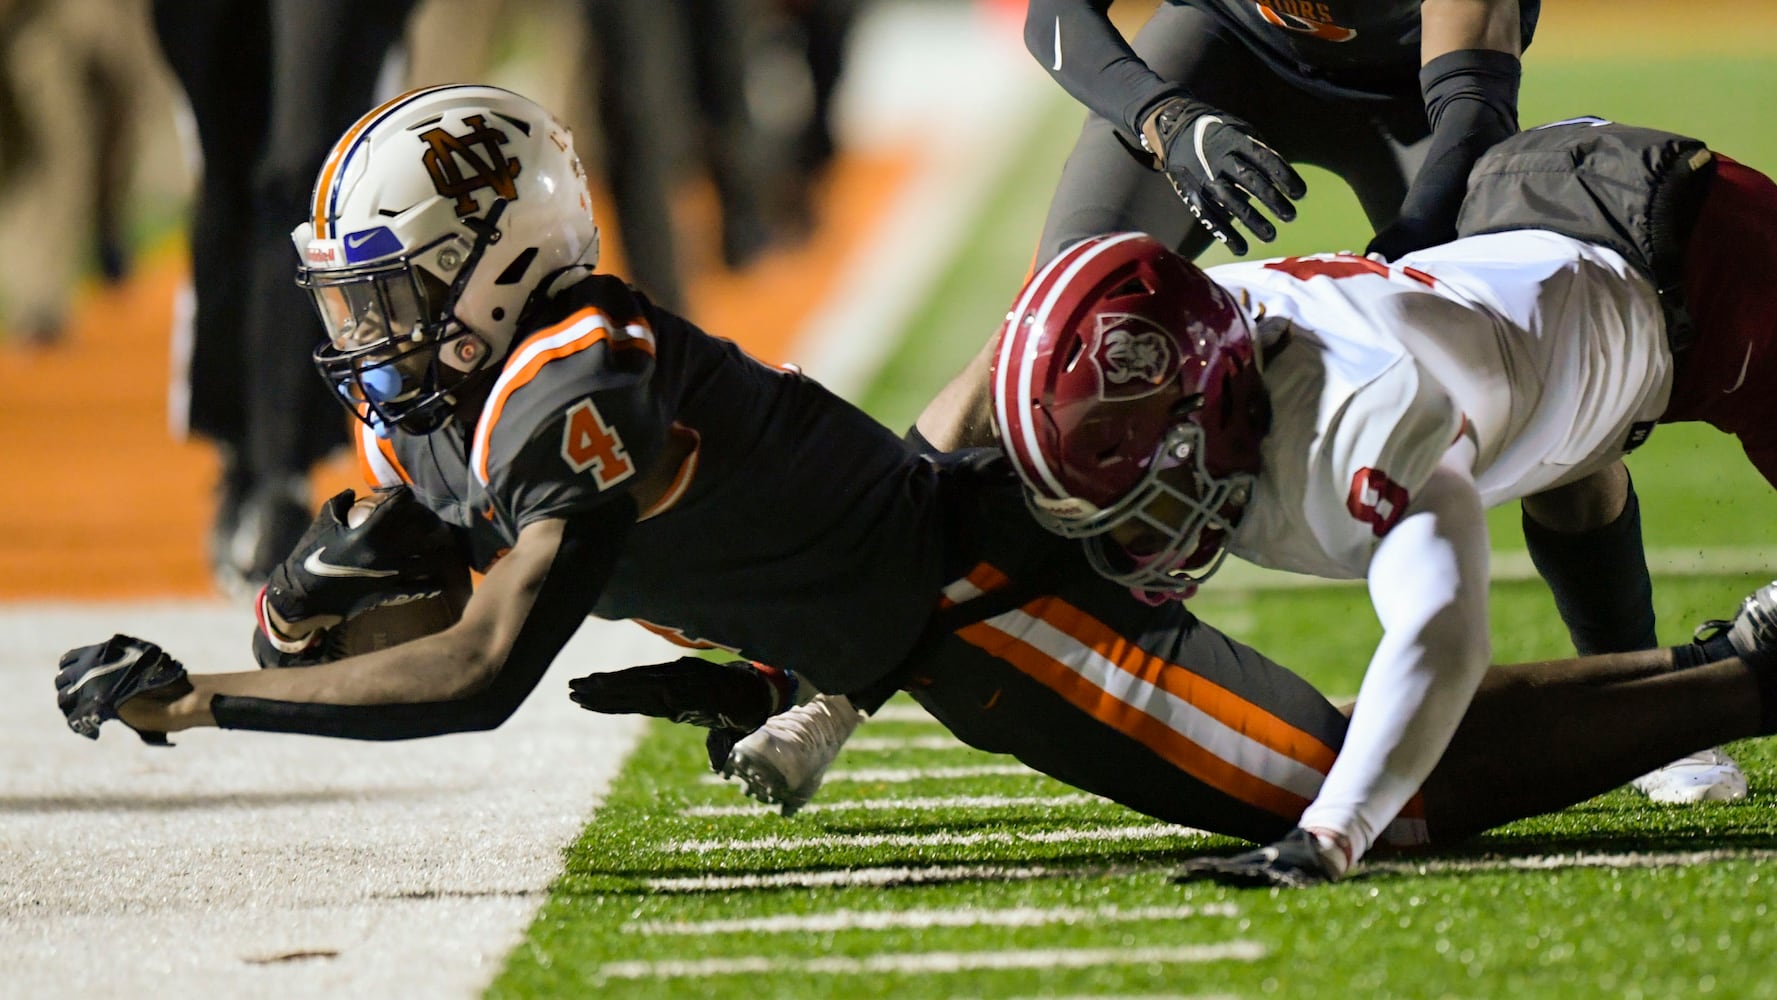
pixel 1026 439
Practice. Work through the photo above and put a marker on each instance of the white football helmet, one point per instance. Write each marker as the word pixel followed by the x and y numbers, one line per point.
pixel 436 217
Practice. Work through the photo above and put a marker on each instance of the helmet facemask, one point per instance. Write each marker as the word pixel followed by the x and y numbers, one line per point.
pixel 395 351
pixel 1166 535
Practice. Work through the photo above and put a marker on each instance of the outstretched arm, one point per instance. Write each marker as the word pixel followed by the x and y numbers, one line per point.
pixel 470 676
pixel 1428 580
pixel 1469 75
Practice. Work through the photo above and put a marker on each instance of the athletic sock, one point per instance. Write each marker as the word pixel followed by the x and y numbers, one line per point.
pixel 1600 581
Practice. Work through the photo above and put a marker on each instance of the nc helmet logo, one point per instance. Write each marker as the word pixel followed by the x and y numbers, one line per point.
pixel 1134 357
pixel 459 169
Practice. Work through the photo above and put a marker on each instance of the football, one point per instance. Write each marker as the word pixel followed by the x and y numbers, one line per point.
pixel 393 624
pixel 396 622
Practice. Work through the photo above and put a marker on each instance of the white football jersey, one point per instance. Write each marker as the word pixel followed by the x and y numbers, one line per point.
pixel 1551 353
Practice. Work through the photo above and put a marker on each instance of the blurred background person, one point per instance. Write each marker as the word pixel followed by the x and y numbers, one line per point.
pixel 270 84
pixel 76 78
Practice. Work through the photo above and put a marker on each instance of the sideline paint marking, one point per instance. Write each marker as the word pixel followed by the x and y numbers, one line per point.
pixel 898 775
pixel 880 920
pixel 937 802
pixel 1103 834
pixel 938 961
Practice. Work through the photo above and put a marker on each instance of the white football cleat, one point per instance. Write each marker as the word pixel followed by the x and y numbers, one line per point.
pixel 782 762
pixel 1705 776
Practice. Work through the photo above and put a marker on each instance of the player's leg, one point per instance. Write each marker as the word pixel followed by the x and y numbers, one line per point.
pixel 1542 736
pixel 1145 706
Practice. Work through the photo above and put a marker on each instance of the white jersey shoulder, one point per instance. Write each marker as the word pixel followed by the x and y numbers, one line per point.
pixel 1550 351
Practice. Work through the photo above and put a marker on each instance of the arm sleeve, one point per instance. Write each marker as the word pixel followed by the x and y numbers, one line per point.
pixel 1428 582
pixel 1471 100
pixel 1084 52
pixel 576 576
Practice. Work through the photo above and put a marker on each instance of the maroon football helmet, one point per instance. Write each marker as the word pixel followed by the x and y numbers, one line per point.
pixel 1119 361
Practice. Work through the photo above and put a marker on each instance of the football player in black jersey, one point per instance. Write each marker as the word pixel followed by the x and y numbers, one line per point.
pixel 596 455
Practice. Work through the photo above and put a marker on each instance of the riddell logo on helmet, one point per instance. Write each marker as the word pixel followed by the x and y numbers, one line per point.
pixel 1133 356
pixel 324 253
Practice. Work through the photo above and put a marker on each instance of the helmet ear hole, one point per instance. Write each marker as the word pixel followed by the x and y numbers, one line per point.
pixel 514 272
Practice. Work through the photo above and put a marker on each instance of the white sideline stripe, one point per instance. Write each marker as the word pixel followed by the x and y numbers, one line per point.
pixel 880 920
pixel 847 339
pixel 880 744
pixel 898 775
pixel 1100 834
pixel 1554 862
pixel 1671 560
pixel 930 802
pixel 938 961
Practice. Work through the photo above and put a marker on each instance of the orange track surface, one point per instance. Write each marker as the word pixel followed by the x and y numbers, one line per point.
pixel 106 504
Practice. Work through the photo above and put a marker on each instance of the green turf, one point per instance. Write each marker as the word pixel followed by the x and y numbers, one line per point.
pixel 1673 929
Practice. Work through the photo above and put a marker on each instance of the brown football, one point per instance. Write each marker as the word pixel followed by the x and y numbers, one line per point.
pixel 393 624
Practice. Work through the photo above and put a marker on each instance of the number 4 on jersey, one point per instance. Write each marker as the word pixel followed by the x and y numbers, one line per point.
pixel 589 443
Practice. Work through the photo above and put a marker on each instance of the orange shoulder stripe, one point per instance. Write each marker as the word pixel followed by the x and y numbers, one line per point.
pixel 585 328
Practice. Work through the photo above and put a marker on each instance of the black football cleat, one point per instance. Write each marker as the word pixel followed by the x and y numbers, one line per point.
pixel 1295 862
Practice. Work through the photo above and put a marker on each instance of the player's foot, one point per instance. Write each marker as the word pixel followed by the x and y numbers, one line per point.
pixel 1300 859
pixel 782 762
pixel 1705 776
pixel 1753 631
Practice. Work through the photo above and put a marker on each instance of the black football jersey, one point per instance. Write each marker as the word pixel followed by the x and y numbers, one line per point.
pixel 1353 49
pixel 798 532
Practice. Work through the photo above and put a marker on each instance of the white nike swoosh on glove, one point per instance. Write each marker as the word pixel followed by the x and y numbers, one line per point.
pixel 1057 66
pixel 96 673
pixel 316 565
pixel 1203 124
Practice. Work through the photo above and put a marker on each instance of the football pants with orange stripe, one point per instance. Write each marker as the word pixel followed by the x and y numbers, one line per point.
pixel 94 680
pixel 354 558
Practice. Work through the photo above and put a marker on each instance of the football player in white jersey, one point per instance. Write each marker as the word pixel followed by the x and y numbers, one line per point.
pixel 1386 406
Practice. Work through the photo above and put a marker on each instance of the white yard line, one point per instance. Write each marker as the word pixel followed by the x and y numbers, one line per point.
pixel 935 962
pixel 1579 859
pixel 1078 835
pixel 902 775
pixel 881 744
pixel 851 877
pixel 880 805
pixel 965 916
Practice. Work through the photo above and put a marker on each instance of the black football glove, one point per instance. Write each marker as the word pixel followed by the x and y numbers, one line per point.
pixel 1295 862
pixel 1215 161
pixel 94 680
pixel 735 695
pixel 400 552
